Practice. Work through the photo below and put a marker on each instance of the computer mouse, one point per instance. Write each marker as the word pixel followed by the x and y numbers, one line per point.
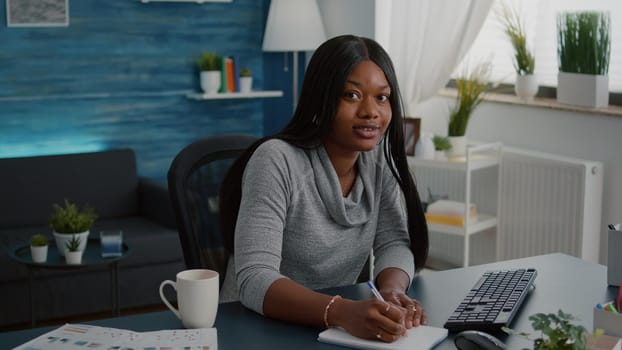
pixel 477 340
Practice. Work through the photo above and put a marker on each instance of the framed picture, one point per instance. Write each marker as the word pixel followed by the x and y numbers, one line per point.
pixel 37 13
pixel 411 134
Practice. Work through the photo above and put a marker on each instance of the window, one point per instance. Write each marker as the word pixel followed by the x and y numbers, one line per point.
pixel 540 18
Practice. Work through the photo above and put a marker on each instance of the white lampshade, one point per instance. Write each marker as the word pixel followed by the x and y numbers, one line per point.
pixel 293 25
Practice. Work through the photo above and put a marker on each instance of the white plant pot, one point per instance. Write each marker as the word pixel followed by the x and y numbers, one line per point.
pixel 583 90
pixel 63 238
pixel 526 87
pixel 210 81
pixel 73 258
pixel 246 84
pixel 440 155
pixel 39 254
pixel 424 149
pixel 458 146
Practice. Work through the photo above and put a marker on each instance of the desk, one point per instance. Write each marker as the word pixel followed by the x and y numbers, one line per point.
pixel 563 282
pixel 91 259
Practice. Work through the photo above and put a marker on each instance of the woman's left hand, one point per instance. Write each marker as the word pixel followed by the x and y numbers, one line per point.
pixel 414 314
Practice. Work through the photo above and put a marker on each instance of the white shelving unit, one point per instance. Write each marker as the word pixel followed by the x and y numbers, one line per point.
pixel 477 157
pixel 229 95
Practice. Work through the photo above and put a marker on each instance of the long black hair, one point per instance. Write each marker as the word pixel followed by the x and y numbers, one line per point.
pixel 323 84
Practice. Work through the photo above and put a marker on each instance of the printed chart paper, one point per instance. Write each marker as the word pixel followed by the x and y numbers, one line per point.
pixel 87 337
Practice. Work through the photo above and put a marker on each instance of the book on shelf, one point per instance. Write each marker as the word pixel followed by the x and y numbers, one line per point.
pixel 236 73
pixel 223 75
pixel 448 212
pixel 230 74
pixel 447 220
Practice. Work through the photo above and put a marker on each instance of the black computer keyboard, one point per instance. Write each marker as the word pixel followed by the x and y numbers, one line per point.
pixel 493 301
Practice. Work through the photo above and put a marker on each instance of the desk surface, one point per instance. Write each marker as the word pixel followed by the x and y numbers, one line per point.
pixel 563 282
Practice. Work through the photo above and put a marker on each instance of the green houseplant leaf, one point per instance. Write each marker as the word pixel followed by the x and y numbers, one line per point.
pixel 246 72
pixel 557 332
pixel 70 219
pixel 209 61
pixel 38 240
pixel 441 143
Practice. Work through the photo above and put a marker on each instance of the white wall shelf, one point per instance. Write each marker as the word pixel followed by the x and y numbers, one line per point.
pixel 480 156
pixel 195 1
pixel 230 95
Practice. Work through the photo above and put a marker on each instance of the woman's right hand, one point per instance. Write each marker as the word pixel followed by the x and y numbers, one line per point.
pixel 368 319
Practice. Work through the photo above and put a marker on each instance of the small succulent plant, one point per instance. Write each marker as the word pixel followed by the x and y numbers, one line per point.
pixel 73 244
pixel 38 240
pixel 246 72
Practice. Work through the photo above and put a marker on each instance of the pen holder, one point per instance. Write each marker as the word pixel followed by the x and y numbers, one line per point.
pixel 608 321
pixel 614 258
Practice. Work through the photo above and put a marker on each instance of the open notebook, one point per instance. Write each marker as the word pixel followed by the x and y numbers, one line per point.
pixel 419 338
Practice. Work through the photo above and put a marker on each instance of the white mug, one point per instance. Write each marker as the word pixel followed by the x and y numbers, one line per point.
pixel 197 297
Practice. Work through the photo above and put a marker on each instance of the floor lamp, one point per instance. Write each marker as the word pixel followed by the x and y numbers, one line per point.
pixel 293 26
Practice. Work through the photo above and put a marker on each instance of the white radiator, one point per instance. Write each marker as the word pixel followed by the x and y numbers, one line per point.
pixel 545 203
pixel 549 203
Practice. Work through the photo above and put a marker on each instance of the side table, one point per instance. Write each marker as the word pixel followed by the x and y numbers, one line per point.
pixel 91 259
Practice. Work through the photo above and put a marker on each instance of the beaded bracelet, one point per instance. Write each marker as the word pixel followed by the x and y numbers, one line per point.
pixel 330 303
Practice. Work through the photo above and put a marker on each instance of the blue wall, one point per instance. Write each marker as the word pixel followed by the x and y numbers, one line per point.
pixel 118 74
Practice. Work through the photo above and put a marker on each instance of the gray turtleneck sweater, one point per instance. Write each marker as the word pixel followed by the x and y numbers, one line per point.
pixel 294 223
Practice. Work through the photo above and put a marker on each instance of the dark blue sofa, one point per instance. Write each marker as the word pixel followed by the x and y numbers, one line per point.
pixel 108 182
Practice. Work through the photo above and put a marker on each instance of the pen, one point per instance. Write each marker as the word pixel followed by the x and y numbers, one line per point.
pixel 374 290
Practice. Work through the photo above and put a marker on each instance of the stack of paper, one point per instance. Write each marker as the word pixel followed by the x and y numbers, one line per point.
pixel 449 213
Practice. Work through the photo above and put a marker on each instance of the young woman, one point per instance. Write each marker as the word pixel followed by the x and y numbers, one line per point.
pixel 302 209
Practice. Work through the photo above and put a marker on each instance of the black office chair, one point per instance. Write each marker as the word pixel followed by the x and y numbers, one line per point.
pixel 194 179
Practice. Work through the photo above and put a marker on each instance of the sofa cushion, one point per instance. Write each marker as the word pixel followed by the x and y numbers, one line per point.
pixel 105 180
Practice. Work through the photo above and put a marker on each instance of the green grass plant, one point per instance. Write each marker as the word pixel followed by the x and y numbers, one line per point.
pixel 514 28
pixel 583 42
pixel 470 85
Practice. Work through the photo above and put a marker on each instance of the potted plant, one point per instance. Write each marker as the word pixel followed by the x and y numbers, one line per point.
pixel 73 255
pixel 557 332
pixel 39 248
pixel 246 80
pixel 209 65
pixel 583 52
pixel 526 86
pixel 68 221
pixel 470 86
pixel 441 146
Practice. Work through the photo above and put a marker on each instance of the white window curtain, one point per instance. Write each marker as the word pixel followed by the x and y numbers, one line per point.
pixel 426 39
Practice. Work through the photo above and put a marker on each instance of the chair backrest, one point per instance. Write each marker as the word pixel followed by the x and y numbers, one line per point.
pixel 194 179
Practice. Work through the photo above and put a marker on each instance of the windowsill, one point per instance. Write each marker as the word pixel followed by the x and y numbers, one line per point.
pixel 539 102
